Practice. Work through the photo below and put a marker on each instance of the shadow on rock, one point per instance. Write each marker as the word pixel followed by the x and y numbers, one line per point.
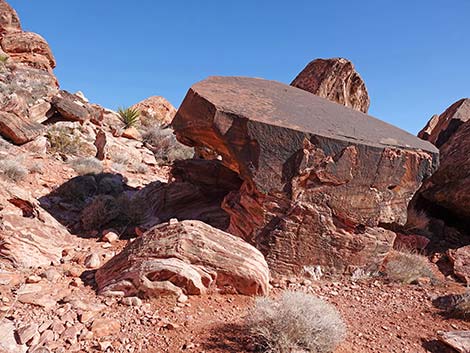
pixel 230 338
pixel 436 346
pixel 89 204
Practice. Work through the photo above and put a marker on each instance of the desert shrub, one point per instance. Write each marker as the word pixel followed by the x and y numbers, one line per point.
pixel 164 145
pixel 407 267
pixel 13 169
pixel 129 116
pixel 63 141
pixel 118 167
pixel 295 322
pixel 141 168
pixel 36 167
pixel 85 166
pixel 133 208
pixel 3 58
pixel 120 158
pixel 99 212
pixel 417 220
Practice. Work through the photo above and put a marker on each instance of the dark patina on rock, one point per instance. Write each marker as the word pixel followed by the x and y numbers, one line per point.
pixel 317 177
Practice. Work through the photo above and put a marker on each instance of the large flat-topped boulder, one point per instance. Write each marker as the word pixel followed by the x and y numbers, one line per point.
pixel 315 174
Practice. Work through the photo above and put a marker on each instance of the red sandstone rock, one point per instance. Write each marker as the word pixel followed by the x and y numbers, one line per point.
pixel 190 257
pixel 156 109
pixel 317 177
pixel 440 128
pixel 449 187
pixel 460 259
pixel 9 21
pixel 30 237
pixel 334 79
pixel 17 129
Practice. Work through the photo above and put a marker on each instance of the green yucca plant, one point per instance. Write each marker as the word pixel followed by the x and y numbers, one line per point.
pixel 129 116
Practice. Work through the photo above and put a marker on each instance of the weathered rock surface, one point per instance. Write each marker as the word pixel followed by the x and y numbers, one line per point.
pixel 448 188
pixel 156 109
pixel 460 260
pixel 187 257
pixel 29 236
pixel 458 340
pixel 334 79
pixel 26 79
pixel 440 128
pixel 317 177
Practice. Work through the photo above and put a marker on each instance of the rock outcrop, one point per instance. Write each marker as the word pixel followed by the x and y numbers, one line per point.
pixel 445 195
pixel 318 178
pixel 334 79
pixel 29 236
pixel 156 110
pixel 187 257
pixel 440 128
pixel 26 79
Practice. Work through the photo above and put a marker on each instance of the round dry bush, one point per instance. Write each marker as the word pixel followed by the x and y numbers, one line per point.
pixel 407 267
pixel 296 321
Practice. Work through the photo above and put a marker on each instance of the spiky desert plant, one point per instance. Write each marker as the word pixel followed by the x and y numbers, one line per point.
pixel 296 322
pixel 129 116
pixel 407 267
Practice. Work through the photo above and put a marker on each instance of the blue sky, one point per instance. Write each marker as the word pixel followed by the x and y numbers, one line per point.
pixel 414 55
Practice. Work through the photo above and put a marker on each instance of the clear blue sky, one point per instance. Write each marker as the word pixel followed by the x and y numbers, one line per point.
pixel 414 55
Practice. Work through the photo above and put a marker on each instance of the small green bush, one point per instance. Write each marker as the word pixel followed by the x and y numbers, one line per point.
pixel 3 58
pixel 84 166
pixel 13 169
pixel 129 116
pixel 296 322
pixel 407 267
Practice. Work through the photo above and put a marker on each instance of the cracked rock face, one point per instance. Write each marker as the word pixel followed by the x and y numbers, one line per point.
pixel 187 257
pixel 318 178
pixel 334 79
pixel 448 188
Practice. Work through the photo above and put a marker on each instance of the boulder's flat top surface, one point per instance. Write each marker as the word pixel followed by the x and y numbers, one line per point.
pixel 275 103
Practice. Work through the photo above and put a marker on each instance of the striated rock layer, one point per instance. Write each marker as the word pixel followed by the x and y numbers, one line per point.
pixel 318 178
pixel 187 257
pixel 446 194
pixel 334 79
pixel 26 79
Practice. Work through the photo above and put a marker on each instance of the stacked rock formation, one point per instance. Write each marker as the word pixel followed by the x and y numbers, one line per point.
pixel 334 79
pixel 317 178
pixel 26 79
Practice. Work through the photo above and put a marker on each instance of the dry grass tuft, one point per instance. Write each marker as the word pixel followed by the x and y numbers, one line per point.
pixel 407 267
pixel 296 322
pixel 84 166
pixel 62 140
pixel 165 146
pixel 417 220
pixel 13 169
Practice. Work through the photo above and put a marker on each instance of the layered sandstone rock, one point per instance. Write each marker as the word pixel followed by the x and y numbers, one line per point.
pixel 460 260
pixel 318 178
pixel 334 79
pixel 447 189
pixel 440 128
pixel 29 236
pixel 187 257
pixel 26 79
pixel 156 110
